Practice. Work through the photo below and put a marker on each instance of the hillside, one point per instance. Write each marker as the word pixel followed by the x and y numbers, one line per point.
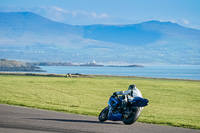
pixel 28 36
pixel 12 65
pixel 139 34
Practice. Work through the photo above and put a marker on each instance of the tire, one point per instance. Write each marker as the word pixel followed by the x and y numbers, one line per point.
pixel 133 117
pixel 103 116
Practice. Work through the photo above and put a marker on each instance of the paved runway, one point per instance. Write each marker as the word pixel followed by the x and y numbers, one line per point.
pixel 24 120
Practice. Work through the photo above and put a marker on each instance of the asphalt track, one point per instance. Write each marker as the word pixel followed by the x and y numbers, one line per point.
pixel 25 120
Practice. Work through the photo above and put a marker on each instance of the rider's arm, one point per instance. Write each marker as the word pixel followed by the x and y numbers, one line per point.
pixel 128 92
pixel 120 92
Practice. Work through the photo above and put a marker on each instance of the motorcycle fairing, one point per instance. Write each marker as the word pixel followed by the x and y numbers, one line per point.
pixel 140 102
pixel 111 116
pixel 115 117
pixel 113 101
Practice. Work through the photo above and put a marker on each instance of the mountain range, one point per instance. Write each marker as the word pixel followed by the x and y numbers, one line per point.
pixel 30 37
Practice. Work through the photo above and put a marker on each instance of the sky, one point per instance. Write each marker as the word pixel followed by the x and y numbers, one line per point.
pixel 86 12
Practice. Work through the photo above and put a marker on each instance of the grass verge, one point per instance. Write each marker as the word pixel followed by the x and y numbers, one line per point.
pixel 172 102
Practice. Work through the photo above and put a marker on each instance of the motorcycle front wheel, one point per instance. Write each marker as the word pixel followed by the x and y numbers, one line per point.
pixel 132 117
pixel 103 116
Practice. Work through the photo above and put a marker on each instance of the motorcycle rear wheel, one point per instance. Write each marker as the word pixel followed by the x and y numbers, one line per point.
pixel 132 117
pixel 103 116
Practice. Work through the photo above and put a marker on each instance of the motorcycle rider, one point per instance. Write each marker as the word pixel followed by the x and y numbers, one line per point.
pixel 128 96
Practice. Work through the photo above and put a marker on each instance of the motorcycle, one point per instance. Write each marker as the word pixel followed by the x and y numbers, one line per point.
pixel 128 113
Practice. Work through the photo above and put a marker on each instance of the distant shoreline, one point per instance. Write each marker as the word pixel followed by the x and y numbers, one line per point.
pixel 24 69
pixel 33 68
pixel 90 64
pixel 13 65
pixel 76 75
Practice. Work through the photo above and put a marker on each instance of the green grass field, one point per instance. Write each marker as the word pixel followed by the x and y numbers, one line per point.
pixel 172 102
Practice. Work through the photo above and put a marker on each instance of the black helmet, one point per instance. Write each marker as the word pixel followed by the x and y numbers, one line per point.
pixel 131 87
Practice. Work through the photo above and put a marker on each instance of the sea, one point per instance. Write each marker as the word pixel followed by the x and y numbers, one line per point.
pixel 191 72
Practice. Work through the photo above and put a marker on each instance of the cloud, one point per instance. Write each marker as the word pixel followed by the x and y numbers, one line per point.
pixel 71 17
pixel 185 21
pixel 59 9
pixel 62 15
pixel 99 16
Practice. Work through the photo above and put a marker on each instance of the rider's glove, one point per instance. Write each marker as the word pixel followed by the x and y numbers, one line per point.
pixel 115 93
